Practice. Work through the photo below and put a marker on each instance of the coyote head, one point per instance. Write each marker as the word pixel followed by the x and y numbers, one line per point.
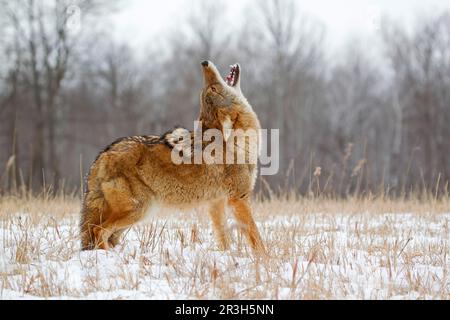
pixel 222 99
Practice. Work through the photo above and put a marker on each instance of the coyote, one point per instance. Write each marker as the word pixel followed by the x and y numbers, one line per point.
pixel 135 175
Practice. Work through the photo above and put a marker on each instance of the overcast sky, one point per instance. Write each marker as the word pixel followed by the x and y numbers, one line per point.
pixel 138 20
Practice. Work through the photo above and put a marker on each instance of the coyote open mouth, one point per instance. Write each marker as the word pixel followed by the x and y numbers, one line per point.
pixel 233 77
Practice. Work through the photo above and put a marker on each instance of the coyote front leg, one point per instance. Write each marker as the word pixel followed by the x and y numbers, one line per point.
pixel 243 214
pixel 217 213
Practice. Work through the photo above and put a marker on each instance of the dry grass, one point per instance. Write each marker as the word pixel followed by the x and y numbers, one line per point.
pixel 319 249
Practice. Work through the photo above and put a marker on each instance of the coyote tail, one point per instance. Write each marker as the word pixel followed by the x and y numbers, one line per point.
pixel 92 212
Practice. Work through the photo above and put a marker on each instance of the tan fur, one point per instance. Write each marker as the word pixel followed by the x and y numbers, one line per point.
pixel 136 173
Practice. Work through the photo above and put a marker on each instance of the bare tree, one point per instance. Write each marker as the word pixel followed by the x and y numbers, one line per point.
pixel 420 61
pixel 282 54
pixel 43 42
pixel 65 94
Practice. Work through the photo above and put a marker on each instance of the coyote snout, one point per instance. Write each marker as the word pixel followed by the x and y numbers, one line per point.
pixel 135 175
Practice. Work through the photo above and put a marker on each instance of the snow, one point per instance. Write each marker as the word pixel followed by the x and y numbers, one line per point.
pixel 312 255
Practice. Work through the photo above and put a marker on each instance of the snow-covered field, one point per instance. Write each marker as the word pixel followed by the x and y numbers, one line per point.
pixel 317 251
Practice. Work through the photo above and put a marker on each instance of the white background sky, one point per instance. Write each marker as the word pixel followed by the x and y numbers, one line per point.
pixel 138 20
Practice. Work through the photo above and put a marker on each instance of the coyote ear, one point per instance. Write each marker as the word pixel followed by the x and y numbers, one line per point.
pixel 227 127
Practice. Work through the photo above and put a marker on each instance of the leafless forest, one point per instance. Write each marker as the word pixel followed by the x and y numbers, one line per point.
pixel 349 124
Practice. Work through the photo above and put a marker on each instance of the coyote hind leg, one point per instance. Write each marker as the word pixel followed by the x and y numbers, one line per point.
pixel 101 235
pixel 243 214
pixel 125 211
pixel 108 233
pixel 114 239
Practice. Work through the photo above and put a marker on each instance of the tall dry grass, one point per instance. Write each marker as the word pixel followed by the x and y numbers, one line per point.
pixel 320 248
pixel 338 240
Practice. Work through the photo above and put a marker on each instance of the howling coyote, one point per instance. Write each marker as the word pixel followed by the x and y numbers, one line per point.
pixel 134 176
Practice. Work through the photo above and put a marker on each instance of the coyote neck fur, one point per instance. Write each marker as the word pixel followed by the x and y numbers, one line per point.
pixel 239 116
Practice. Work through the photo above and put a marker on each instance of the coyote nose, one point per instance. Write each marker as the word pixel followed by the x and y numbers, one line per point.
pixel 210 73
